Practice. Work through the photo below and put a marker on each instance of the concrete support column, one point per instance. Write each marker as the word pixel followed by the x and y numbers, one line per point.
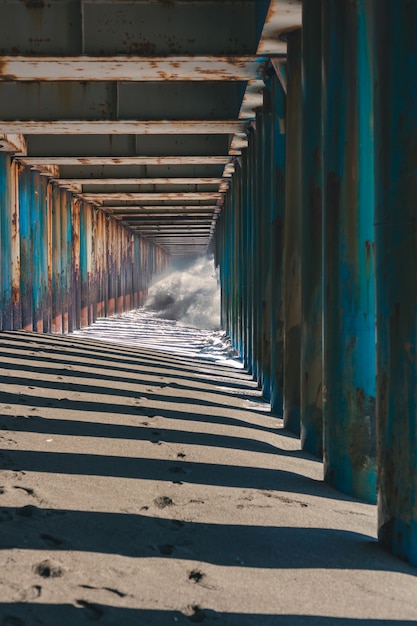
pixel 278 98
pixel 348 238
pixel 311 405
pixel 395 27
pixel 292 245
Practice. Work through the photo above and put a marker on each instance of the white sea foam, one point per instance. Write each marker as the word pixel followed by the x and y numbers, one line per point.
pixel 188 291
pixel 181 316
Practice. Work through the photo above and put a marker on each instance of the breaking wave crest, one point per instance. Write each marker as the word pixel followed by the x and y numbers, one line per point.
pixel 187 292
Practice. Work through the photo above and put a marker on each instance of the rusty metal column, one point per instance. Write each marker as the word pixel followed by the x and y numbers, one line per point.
pixel 311 406
pixel 348 235
pixel 223 264
pixel 39 235
pixel 236 266
pixel 136 271
pixel 244 257
pixel 4 201
pixel 239 257
pixel 251 272
pixel 277 241
pixel 259 278
pixel 9 245
pixel 5 278
pixel 66 248
pixel 45 234
pixel 84 249
pixel 292 245
pixel 56 261
pixel 26 246
pixel 265 212
pixel 395 27
pixel 111 301
pixel 76 299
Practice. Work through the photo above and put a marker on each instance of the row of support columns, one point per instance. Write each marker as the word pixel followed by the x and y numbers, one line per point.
pixel 317 246
pixel 63 263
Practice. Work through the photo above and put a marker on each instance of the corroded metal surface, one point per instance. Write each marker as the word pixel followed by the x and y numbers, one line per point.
pixel 396 279
pixel 265 211
pixel 311 404
pixel 292 243
pixel 348 217
pixel 277 245
pixel 119 68
pixel 136 83
pixel 63 261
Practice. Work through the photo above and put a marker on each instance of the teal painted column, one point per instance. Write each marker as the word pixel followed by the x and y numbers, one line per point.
pixel 254 246
pixel 311 404
pixel 6 304
pixel 251 271
pixel 56 260
pixel 348 240
pixel 39 236
pixel 265 210
pixel 292 242
pixel 245 259
pixel 65 257
pixel 27 259
pixel 240 255
pixel 395 27
pixel 278 99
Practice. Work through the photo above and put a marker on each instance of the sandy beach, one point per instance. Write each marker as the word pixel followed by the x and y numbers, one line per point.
pixel 143 487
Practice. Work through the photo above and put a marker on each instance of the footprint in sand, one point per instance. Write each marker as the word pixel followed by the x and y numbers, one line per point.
pixel 48 569
pixel 33 593
pixel 110 589
pixel 163 501
pixel 196 576
pixel 28 490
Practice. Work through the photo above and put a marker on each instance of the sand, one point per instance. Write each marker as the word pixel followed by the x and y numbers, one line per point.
pixel 139 487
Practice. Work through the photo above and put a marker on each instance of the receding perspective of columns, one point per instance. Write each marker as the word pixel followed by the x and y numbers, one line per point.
pixel 348 303
pixel 54 257
pixel 395 28
pixel 283 135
